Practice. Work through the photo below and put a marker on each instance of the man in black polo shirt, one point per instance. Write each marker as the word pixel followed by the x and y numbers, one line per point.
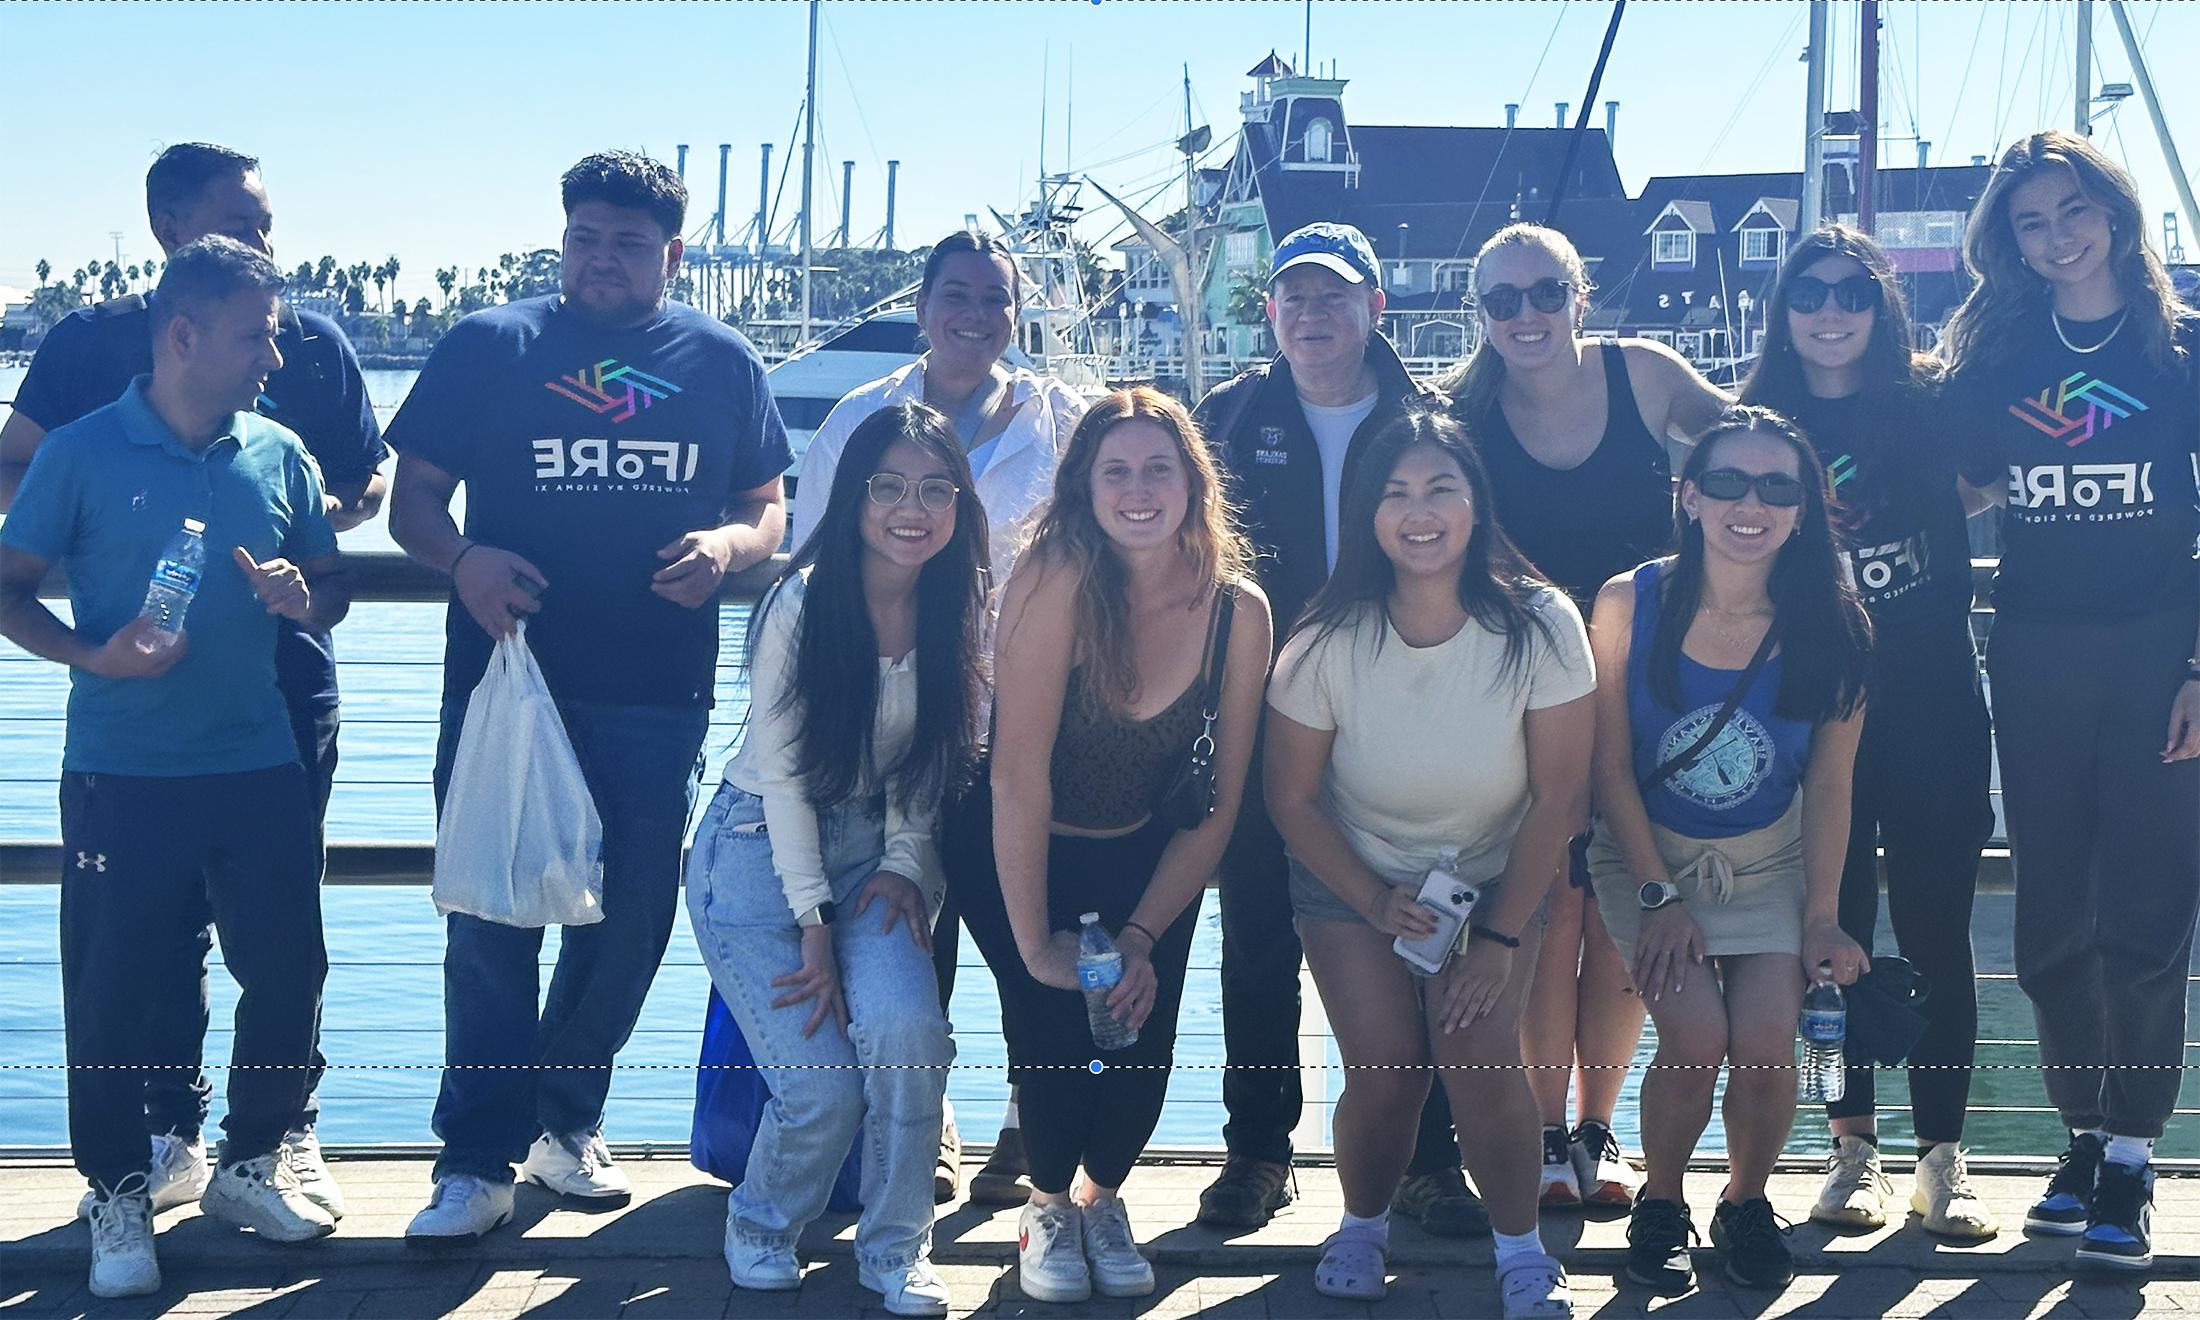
pixel 1286 432
pixel 85 363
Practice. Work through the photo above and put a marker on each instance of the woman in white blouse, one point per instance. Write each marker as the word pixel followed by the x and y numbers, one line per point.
pixel 808 885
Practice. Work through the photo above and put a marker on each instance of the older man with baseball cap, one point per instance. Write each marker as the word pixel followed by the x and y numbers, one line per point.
pixel 1286 431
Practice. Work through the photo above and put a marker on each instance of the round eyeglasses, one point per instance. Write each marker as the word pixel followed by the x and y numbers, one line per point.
pixel 935 494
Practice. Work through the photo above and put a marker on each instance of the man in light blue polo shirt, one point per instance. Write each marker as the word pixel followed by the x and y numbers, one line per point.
pixel 180 778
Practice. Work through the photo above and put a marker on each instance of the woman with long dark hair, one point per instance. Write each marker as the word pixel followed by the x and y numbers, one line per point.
pixel 809 886
pixel 1730 693
pixel 1130 606
pixel 1430 720
pixel 1574 430
pixel 2073 382
pixel 1837 358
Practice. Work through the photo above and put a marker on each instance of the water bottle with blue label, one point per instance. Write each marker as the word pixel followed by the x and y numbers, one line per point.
pixel 175 582
pixel 1099 970
pixel 1823 1026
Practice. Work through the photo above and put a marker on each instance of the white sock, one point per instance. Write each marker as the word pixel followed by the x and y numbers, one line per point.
pixel 1511 1247
pixel 1373 1226
pixel 2131 1152
pixel 1009 1117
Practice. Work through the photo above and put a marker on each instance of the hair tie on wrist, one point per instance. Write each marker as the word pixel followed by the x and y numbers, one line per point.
pixel 1494 937
pixel 1151 938
pixel 471 546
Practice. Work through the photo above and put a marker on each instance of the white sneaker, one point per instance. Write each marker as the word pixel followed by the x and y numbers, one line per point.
pixel 1536 1288
pixel 914 1289
pixel 123 1264
pixel 1945 1200
pixel 462 1208
pixel 180 1174
pixel 1050 1254
pixel 302 1152
pixel 1117 1268
pixel 1559 1188
pixel 578 1167
pixel 762 1268
pixel 262 1194
pixel 1856 1191
pixel 1601 1171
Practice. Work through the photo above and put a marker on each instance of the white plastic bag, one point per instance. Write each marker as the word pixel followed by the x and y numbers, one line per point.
pixel 519 841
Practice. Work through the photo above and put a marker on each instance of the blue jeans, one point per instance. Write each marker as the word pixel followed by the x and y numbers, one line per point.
pixel 885 1078
pixel 512 1073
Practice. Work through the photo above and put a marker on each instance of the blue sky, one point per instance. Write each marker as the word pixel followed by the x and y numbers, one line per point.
pixel 436 131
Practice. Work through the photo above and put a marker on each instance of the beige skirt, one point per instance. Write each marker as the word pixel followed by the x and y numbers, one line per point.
pixel 1745 893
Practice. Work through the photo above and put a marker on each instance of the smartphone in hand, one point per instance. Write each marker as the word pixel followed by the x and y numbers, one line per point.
pixel 1452 901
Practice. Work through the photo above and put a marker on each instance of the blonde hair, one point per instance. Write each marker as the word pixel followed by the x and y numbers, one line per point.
pixel 1068 534
pixel 1474 383
pixel 2006 293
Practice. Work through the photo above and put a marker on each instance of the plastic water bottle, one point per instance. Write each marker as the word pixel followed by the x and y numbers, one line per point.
pixel 1824 1028
pixel 1099 970
pixel 175 582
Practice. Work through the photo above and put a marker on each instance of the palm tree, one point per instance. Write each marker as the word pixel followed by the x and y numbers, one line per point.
pixel 324 274
pixel 446 279
pixel 381 277
pixel 391 266
pixel 44 268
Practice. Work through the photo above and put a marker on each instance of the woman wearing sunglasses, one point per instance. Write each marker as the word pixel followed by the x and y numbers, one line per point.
pixel 1730 692
pixel 1837 358
pixel 1573 432
pixel 2073 370
pixel 1129 612
pixel 808 885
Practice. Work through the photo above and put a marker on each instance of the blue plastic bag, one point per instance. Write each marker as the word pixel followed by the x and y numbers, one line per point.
pixel 730 1095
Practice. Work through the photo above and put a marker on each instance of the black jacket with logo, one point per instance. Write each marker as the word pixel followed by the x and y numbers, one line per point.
pixel 1259 434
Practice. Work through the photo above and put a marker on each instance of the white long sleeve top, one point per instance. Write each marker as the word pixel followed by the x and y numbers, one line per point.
pixel 770 753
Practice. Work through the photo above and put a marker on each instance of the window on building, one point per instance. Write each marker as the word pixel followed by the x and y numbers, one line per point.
pixel 1942 232
pixel 1761 245
pixel 1691 347
pixel 1238 249
pixel 1673 247
pixel 1664 337
pixel 1401 276
pixel 1320 135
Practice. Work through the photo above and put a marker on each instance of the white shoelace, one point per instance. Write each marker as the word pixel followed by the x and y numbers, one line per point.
pixel 126 1212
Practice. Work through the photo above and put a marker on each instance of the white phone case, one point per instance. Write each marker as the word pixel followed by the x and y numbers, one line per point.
pixel 1452 901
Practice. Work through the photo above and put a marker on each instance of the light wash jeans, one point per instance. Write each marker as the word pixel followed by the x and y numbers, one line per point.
pixel 890 1066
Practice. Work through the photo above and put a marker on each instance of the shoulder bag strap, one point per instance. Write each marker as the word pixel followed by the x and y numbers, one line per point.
pixel 1665 770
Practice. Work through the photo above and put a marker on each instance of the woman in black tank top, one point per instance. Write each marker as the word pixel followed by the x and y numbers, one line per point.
pixel 1573 432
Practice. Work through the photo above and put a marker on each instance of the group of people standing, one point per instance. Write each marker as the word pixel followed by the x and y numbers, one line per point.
pixel 1514 706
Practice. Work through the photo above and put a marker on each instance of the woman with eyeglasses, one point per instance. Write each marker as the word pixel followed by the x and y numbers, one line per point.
pixel 809 886
pixel 2074 387
pixel 1730 694
pixel 1012 423
pixel 1129 612
pixel 1837 357
pixel 1574 432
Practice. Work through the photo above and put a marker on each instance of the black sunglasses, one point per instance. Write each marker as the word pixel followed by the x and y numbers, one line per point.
pixel 1777 489
pixel 936 494
pixel 1857 293
pixel 1502 301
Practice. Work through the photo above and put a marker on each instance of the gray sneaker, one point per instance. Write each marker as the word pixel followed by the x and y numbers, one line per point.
pixel 1118 1270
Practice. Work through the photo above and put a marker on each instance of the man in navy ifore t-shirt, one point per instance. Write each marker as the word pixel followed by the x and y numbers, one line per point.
pixel 621 454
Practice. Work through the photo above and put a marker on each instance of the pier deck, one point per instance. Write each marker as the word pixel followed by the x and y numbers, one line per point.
pixel 659 1257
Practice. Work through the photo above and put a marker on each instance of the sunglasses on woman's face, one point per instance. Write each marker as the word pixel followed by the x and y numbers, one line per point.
pixel 1777 490
pixel 1808 293
pixel 936 494
pixel 1501 302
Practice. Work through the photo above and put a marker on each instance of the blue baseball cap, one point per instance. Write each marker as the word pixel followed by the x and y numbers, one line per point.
pixel 1334 247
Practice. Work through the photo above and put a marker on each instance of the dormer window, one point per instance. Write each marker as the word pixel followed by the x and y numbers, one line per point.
pixel 1320 136
pixel 1673 247
pixel 1761 246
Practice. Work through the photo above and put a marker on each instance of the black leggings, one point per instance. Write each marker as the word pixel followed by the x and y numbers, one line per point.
pixel 1921 793
pixel 1071 1114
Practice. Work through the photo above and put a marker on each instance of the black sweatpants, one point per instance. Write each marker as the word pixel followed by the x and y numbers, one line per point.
pixel 139 855
pixel 1921 788
pixel 2107 848
pixel 1073 1114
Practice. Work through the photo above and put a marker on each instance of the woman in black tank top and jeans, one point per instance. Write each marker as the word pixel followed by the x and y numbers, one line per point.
pixel 1100 661
pixel 1573 433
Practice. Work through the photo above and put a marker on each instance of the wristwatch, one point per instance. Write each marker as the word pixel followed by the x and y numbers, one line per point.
pixel 821 915
pixel 1658 893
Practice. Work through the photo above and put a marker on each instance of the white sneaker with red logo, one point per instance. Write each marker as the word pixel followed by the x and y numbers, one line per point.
pixel 1050 1254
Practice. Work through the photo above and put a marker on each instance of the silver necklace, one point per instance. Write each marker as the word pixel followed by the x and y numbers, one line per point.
pixel 2056 317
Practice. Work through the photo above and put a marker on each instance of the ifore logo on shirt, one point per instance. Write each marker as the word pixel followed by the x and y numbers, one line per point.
pixel 2076 408
pixel 613 389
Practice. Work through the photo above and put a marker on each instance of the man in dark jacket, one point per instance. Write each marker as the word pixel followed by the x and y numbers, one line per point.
pixel 1286 433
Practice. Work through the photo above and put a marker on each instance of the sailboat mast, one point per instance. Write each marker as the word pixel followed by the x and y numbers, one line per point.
pixel 2083 110
pixel 809 149
pixel 1814 122
pixel 2140 76
pixel 1867 104
pixel 1193 379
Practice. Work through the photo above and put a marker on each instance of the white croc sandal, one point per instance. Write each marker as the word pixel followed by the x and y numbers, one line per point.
pixel 1536 1289
pixel 1353 1267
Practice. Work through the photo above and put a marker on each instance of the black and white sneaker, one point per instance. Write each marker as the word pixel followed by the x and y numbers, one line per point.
pixel 2065 1208
pixel 2117 1232
pixel 1752 1241
pixel 1658 1234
